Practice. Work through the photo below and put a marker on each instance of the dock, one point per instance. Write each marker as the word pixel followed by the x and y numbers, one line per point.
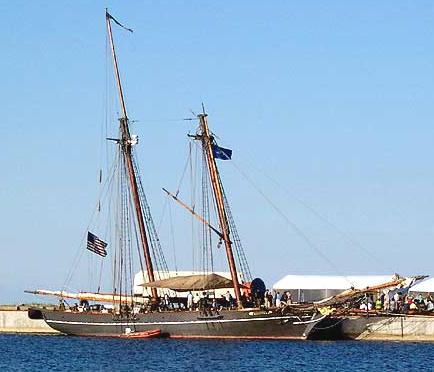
pixel 14 319
pixel 400 328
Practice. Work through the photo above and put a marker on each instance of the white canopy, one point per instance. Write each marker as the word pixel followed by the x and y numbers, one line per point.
pixel 426 285
pixel 336 282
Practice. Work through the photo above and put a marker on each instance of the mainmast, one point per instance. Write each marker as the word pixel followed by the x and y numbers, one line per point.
pixel 207 144
pixel 126 143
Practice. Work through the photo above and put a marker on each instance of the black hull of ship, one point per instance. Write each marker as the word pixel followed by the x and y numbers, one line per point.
pixel 186 324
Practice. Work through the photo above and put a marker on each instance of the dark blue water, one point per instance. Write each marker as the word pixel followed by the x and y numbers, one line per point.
pixel 61 353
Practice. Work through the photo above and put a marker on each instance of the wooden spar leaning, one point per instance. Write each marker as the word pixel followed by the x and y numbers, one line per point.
pixel 199 217
pixel 126 144
pixel 215 181
pixel 404 282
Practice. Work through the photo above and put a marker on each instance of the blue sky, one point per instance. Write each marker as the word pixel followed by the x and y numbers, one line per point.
pixel 327 103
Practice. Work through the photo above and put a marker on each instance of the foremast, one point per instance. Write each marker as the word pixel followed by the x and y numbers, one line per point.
pixel 126 142
pixel 207 144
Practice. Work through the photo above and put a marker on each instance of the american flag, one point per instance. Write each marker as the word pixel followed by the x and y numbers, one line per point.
pixel 96 245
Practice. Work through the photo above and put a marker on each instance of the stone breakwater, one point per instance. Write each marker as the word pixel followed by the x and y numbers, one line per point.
pixel 17 321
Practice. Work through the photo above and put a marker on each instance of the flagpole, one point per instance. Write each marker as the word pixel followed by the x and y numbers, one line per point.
pixel 126 145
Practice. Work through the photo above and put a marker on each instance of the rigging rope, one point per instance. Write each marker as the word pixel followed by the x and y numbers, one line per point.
pixel 294 226
pixel 172 235
pixel 207 257
pixel 79 250
pixel 154 242
pixel 243 264
pixel 343 234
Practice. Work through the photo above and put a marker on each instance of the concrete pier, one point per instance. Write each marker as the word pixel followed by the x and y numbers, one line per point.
pixel 17 321
pixel 398 328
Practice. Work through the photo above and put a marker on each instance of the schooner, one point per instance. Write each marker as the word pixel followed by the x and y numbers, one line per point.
pixel 133 314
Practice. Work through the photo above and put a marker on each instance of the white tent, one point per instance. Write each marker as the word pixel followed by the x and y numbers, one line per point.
pixel 426 285
pixel 316 287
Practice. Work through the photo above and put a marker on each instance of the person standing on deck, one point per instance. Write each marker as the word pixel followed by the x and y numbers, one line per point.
pixel 278 297
pixel 167 304
pixel 228 298
pixel 270 299
pixel 396 299
pixel 190 301
pixel 215 306
pixel 266 299
pixel 386 301
pixel 196 301
pixel 289 298
pixel 378 304
pixel 283 299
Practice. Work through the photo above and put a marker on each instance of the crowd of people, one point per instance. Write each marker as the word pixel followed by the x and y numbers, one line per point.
pixel 206 302
pixel 398 302
pixel 276 299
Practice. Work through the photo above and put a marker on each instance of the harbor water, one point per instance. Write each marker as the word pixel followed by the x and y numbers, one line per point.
pixel 65 353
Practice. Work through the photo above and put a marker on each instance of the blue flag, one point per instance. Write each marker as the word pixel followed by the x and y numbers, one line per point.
pixel 221 152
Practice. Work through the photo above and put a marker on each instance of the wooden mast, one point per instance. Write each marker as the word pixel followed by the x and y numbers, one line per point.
pixel 207 144
pixel 126 144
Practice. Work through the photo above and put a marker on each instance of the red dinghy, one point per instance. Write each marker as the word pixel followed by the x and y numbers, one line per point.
pixel 145 334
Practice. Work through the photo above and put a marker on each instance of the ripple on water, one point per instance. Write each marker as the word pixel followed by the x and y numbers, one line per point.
pixel 62 353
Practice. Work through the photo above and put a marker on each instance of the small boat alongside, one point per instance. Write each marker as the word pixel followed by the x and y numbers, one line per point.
pixel 155 333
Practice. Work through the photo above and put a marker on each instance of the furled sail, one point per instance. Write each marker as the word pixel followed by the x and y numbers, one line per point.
pixel 89 296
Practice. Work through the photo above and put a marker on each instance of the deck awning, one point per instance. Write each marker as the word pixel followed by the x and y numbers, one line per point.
pixel 192 283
